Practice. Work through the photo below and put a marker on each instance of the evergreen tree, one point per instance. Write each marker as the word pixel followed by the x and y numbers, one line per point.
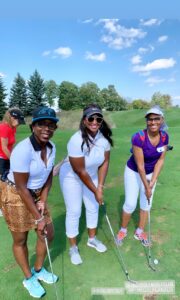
pixel 3 106
pixel 18 94
pixel 36 94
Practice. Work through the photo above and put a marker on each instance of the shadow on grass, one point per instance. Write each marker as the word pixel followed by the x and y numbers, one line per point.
pixel 58 245
pixel 97 297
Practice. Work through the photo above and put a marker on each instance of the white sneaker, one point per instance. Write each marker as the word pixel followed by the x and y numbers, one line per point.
pixel 95 243
pixel 75 256
pixel 1 214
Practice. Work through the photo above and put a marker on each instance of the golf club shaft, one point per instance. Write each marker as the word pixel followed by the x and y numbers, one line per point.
pixel 149 238
pixel 118 251
pixel 149 233
pixel 50 263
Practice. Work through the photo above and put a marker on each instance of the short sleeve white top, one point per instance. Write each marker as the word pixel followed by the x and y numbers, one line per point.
pixel 25 159
pixel 93 158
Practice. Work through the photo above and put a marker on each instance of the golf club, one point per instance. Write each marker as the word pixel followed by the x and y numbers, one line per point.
pixel 50 262
pixel 118 250
pixel 149 238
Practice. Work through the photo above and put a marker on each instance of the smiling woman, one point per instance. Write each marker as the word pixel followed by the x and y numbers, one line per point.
pixel 82 177
pixel 149 147
pixel 24 201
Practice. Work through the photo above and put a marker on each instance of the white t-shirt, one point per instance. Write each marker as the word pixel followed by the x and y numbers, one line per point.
pixel 25 159
pixel 94 158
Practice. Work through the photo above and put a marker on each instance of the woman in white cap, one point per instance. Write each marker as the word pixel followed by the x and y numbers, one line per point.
pixel 82 177
pixel 149 147
pixel 24 197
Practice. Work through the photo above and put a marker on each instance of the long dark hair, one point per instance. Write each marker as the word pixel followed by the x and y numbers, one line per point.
pixel 104 129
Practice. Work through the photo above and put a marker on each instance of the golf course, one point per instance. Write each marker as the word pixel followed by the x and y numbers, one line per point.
pixel 101 276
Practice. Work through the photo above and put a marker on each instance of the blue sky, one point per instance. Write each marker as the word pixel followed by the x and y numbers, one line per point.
pixel 138 54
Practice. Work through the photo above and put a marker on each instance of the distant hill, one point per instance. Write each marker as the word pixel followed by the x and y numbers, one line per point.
pixel 118 119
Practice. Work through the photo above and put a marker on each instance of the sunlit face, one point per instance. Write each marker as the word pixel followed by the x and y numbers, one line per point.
pixel 154 122
pixel 44 130
pixel 93 123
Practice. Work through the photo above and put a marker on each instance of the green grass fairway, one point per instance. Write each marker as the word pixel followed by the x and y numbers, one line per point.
pixel 103 271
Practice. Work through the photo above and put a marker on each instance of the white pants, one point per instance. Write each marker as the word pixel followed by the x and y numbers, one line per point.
pixel 75 192
pixel 133 187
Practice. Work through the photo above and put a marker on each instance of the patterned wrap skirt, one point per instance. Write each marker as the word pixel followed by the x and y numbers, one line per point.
pixel 15 212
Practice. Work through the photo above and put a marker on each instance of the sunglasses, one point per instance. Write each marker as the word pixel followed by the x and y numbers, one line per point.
pixel 43 125
pixel 156 119
pixel 98 119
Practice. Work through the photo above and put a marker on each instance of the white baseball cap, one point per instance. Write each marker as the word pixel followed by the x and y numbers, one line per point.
pixel 154 110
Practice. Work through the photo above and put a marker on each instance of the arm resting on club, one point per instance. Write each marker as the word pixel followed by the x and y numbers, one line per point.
pixel 103 169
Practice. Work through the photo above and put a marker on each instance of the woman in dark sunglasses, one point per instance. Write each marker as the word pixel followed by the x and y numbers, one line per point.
pixel 82 177
pixel 25 195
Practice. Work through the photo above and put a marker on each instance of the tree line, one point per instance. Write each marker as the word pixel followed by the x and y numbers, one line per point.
pixel 28 94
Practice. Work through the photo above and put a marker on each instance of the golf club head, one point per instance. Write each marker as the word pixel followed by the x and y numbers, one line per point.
pixel 119 243
pixel 131 281
pixel 151 266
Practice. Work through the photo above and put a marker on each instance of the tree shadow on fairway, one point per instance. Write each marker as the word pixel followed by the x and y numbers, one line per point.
pixel 58 245
pixel 135 214
pixel 97 297
pixel 82 223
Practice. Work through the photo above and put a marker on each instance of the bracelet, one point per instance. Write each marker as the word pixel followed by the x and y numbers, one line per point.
pixel 100 185
pixel 39 220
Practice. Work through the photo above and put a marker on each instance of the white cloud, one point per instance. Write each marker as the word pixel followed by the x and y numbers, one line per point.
pixel 162 38
pixel 154 80
pixel 150 22
pixel 136 59
pixel 176 100
pixel 176 97
pixel 2 74
pixel 162 63
pixel 46 53
pixel 64 52
pixel 143 50
pixel 87 21
pixel 96 57
pixel 172 79
pixel 145 74
pixel 119 37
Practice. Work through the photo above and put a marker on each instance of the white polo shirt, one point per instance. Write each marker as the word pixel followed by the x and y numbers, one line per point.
pixel 26 158
pixel 93 158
